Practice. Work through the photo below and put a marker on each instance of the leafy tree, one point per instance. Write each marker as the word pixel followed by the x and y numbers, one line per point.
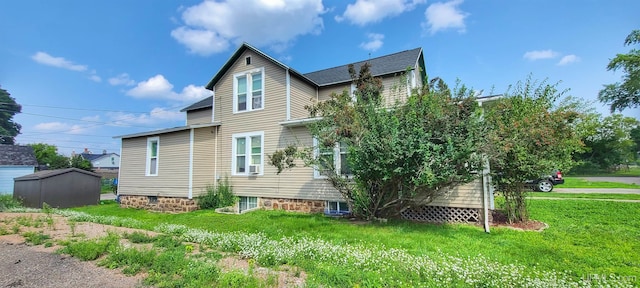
pixel 47 155
pixel 528 137
pixel 626 94
pixel 8 108
pixel 397 157
pixel 79 162
pixel 609 143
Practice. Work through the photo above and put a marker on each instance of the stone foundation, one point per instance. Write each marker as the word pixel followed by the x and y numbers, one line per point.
pixel 159 203
pixel 296 205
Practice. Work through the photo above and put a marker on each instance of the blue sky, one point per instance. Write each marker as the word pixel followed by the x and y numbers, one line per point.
pixel 86 71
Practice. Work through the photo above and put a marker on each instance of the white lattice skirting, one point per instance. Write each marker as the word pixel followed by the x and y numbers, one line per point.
pixel 439 214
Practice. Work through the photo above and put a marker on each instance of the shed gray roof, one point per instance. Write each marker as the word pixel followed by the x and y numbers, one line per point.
pixel 383 65
pixel 14 155
pixel 50 173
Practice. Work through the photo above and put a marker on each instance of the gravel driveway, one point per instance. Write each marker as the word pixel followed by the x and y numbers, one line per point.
pixel 25 266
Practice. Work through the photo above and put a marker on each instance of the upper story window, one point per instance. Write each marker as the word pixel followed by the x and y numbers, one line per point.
pixel 248 153
pixel 153 147
pixel 331 158
pixel 248 90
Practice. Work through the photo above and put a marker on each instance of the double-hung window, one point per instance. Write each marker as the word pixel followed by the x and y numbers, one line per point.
pixel 248 90
pixel 248 153
pixel 153 147
pixel 334 157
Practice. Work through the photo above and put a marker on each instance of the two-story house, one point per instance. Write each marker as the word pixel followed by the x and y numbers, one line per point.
pixel 257 107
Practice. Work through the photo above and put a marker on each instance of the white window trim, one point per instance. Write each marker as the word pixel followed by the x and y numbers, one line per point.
pixel 249 90
pixel 336 160
pixel 329 211
pixel 148 160
pixel 247 199
pixel 247 153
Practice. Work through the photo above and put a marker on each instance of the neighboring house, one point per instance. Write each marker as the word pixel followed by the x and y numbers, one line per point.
pixel 15 161
pixel 257 107
pixel 104 161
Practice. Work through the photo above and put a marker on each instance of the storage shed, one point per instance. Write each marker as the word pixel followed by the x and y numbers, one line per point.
pixel 62 188
pixel 15 161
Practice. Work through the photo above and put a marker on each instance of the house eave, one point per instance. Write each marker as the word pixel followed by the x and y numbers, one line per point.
pixel 299 122
pixel 169 130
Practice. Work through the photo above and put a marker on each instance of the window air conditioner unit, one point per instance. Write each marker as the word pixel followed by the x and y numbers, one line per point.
pixel 254 169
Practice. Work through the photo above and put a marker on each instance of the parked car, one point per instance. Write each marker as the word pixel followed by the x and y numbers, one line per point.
pixel 546 183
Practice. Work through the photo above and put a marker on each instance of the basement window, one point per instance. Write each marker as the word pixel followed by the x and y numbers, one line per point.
pixel 152 199
pixel 336 208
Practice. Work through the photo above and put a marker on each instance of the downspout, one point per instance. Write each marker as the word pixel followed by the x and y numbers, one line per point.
pixel 119 169
pixel 215 157
pixel 191 136
pixel 486 189
pixel 486 185
pixel 288 80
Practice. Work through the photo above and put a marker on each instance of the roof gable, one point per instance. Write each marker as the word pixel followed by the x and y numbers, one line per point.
pixel 15 155
pixel 236 55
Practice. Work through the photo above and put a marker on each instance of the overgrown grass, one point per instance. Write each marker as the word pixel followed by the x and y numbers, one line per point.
pixel 576 182
pixel 586 195
pixel 91 249
pixel 584 238
pixel 7 202
pixel 36 238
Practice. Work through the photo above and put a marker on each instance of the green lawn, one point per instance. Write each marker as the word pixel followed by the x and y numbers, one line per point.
pixel 586 195
pixel 576 182
pixel 584 237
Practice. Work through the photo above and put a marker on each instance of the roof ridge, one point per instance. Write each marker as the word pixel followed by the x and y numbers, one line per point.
pixel 386 55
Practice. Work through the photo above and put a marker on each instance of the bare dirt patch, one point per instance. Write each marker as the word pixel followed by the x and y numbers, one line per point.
pixel 26 265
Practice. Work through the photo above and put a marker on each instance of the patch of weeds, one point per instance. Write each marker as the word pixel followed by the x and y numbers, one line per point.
pixel 91 249
pixel 35 238
pixel 48 210
pixel 4 231
pixel 139 237
pixel 133 260
pixel 8 202
pixel 237 278
pixel 25 221
pixel 48 244
pixel 15 228
pixel 167 242
pixel 218 196
pixel 72 227
pixel 169 262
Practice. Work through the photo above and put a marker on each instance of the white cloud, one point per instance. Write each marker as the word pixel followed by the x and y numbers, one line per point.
pixel 568 59
pixel 122 79
pixel 57 127
pixel 158 87
pixel 155 116
pixel 370 11
pixel 46 59
pixel 212 26
pixel 540 54
pixel 95 78
pixel 375 42
pixel 442 16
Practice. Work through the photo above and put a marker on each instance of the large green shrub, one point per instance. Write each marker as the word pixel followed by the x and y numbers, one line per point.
pixel 218 196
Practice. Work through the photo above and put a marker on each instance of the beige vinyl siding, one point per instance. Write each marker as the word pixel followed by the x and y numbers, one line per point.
pixel 302 94
pixel 467 196
pixel 325 92
pixel 200 116
pixel 203 159
pixel 297 183
pixel 395 89
pixel 173 166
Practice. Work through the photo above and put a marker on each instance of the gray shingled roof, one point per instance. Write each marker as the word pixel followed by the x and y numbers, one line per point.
pixel 204 103
pixel 383 65
pixel 14 155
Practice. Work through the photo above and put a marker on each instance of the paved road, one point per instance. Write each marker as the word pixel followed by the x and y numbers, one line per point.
pixel 558 189
pixel 627 180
